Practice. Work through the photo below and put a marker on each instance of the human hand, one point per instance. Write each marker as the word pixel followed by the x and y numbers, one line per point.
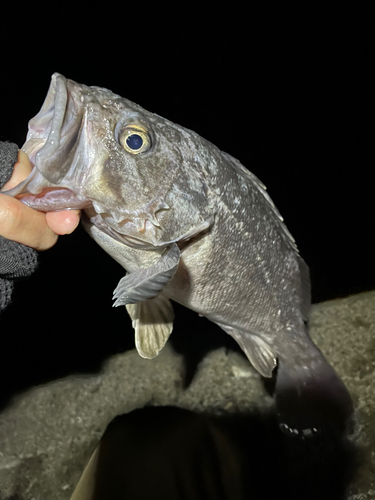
pixel 20 223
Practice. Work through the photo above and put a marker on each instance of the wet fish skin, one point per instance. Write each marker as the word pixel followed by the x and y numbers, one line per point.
pixel 189 223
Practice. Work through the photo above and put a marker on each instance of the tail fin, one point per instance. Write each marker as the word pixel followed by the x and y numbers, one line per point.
pixel 310 396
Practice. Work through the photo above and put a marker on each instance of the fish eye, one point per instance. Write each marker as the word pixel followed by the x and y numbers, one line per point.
pixel 134 139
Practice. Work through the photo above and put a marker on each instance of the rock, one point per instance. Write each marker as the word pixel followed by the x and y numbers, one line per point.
pixel 345 331
pixel 48 434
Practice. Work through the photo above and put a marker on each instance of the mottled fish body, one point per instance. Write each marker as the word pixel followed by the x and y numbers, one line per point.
pixel 189 223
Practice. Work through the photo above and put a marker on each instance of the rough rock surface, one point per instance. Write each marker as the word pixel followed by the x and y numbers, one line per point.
pixel 345 331
pixel 48 433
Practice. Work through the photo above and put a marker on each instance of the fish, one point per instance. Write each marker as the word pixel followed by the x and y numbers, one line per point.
pixel 188 223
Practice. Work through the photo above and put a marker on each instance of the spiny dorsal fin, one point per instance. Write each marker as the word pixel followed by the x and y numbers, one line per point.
pixel 263 190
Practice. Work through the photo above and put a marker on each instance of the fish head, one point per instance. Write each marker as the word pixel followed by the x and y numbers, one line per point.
pixel 139 177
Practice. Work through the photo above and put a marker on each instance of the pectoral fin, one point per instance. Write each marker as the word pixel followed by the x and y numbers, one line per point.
pixel 259 353
pixel 153 323
pixel 145 284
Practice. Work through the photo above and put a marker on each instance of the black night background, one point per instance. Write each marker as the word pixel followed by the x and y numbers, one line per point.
pixel 288 90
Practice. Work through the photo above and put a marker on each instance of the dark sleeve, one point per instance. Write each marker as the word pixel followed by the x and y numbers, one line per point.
pixel 16 260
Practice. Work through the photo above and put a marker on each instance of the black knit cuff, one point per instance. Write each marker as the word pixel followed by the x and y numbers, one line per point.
pixel 16 260
pixel 8 157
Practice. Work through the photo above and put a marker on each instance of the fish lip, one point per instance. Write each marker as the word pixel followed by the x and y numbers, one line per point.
pixel 45 126
pixel 54 199
pixel 54 131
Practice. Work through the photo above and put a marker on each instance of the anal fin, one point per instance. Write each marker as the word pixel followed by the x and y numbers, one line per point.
pixel 259 353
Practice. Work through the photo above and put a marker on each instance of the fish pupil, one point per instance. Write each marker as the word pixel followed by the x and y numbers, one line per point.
pixel 134 141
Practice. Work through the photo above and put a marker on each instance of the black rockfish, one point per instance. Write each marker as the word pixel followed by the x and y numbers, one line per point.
pixel 189 223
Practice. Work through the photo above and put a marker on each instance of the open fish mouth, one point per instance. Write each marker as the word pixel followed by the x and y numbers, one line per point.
pixel 51 146
pixel 53 132
pixel 45 128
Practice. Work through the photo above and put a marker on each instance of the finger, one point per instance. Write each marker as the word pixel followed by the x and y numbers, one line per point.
pixel 21 170
pixel 63 222
pixel 21 223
